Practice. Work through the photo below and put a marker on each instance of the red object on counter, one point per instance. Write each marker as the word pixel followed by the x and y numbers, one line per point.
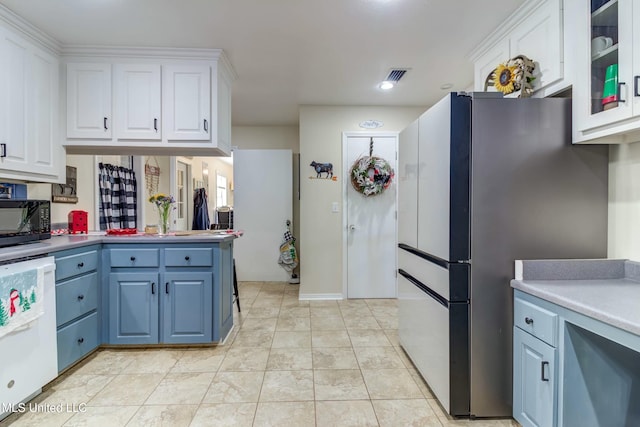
pixel 78 222
pixel 121 231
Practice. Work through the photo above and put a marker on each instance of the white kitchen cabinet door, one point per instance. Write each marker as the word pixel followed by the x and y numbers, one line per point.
pixel 408 171
pixel 89 101
pixel 488 62
pixel 137 101
pixel 222 117
pixel 29 90
pixel 186 102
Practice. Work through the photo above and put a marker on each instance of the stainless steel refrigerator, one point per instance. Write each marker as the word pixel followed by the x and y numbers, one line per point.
pixel 484 181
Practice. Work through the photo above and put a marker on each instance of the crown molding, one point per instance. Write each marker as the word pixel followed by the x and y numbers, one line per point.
pixel 28 30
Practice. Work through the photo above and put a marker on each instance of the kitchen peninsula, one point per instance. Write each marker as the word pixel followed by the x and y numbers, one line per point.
pixel 137 289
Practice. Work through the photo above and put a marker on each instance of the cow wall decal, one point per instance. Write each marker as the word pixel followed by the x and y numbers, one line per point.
pixel 323 168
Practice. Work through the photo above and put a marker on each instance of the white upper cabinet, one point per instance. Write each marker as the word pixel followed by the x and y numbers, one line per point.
pixel 137 101
pixel 534 30
pixel 606 94
pixel 408 165
pixel 89 100
pixel 29 105
pixel 187 102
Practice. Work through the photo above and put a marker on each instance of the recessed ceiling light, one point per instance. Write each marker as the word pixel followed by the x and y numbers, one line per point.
pixel 386 85
pixel 446 86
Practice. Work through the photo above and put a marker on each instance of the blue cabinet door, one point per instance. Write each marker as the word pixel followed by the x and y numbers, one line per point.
pixel 187 307
pixel 534 381
pixel 133 308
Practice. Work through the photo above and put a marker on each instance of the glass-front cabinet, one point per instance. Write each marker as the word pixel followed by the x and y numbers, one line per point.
pixel 606 94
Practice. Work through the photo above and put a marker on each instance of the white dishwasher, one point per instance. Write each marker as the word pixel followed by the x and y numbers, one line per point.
pixel 28 353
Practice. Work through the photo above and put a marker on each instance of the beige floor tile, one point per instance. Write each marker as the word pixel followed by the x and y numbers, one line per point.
pixel 181 389
pixel 253 339
pixel 331 384
pixel 262 312
pixel 225 415
pixel 330 339
pixel 292 289
pixel 357 413
pixel 368 338
pixel 382 302
pixel 334 323
pixel 245 359
pixel 107 362
pixel 112 416
pixel 208 360
pixel 356 310
pixel 333 311
pixel 323 303
pixel 287 386
pixel 361 322
pixel 234 387
pixel 422 385
pixel 290 339
pixel 34 417
pixel 163 416
pixel 384 311
pixel 289 359
pixel 267 300
pixel 259 324
pixel 392 335
pixel 387 322
pixel 352 303
pixel 378 358
pixel 297 324
pixel 408 412
pixel 127 389
pixel 285 414
pixel 153 361
pixel 391 384
pixel 77 389
pixel 291 302
pixel 295 311
pixel 334 358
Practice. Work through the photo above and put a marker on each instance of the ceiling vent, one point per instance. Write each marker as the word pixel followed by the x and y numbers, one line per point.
pixel 396 74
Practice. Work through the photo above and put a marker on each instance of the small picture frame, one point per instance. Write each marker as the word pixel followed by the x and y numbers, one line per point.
pixel 66 193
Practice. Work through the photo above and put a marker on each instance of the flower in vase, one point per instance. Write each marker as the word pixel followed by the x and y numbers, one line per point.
pixel 164 203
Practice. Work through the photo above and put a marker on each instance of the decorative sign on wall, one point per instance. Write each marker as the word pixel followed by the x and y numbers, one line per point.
pixel 66 193
pixel 371 124
pixel 323 171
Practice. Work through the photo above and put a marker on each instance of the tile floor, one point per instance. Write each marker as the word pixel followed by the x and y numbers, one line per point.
pixel 286 363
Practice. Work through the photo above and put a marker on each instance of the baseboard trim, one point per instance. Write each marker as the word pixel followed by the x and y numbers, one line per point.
pixel 319 297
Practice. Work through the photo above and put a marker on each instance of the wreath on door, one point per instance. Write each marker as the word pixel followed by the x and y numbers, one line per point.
pixel 371 175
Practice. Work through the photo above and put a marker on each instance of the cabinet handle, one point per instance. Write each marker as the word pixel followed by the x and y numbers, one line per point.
pixel 80 340
pixel 132 258
pixel 155 124
pixel 528 321
pixel 153 288
pixel 636 84
pixel 3 150
pixel 80 264
pixel 187 258
pixel 206 126
pixel 620 91
pixel 542 371
pixel 80 297
pixel 166 287
pixel 105 124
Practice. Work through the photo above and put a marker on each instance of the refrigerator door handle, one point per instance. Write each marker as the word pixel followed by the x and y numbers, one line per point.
pixel 424 288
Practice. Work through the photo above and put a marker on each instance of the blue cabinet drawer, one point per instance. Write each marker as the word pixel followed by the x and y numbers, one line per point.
pixel 74 265
pixel 76 340
pixel 76 297
pixel 134 257
pixel 188 257
pixel 537 321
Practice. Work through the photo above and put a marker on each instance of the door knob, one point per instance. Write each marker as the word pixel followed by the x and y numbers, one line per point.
pixel 352 227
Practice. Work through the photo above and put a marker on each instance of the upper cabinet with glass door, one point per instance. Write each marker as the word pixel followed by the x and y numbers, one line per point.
pixel 606 93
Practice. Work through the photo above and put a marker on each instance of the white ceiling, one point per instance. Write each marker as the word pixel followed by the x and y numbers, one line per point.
pixel 294 52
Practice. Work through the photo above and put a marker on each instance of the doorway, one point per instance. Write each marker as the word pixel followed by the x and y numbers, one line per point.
pixel 369 222
pixel 182 190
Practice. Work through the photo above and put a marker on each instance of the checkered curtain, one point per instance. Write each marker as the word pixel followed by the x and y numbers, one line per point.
pixel 117 197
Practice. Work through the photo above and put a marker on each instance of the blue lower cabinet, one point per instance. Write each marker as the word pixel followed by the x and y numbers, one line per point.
pixel 76 340
pixel 187 307
pixel 534 381
pixel 133 308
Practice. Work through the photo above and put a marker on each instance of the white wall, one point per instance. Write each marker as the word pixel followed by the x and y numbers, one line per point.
pixel 624 201
pixel 321 130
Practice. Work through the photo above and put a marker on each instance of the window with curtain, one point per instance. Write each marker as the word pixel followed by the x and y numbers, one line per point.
pixel 118 204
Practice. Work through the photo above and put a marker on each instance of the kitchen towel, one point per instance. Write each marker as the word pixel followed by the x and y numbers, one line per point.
pixel 21 299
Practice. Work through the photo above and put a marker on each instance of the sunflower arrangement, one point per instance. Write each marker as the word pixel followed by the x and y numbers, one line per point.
pixel 514 75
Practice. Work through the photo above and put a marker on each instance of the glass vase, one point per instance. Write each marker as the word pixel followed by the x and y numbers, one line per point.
pixel 163 222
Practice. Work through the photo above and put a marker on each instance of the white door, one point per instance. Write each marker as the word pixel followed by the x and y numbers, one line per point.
pixel 89 101
pixel 181 220
pixel 186 102
pixel 262 203
pixel 370 223
pixel 137 101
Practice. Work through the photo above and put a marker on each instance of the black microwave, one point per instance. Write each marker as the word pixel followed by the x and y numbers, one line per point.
pixel 24 221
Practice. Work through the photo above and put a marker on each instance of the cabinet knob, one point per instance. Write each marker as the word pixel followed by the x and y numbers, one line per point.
pixel 80 340
pixel 528 320
pixel 80 297
pixel 80 264
pixel 132 258
pixel 187 258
